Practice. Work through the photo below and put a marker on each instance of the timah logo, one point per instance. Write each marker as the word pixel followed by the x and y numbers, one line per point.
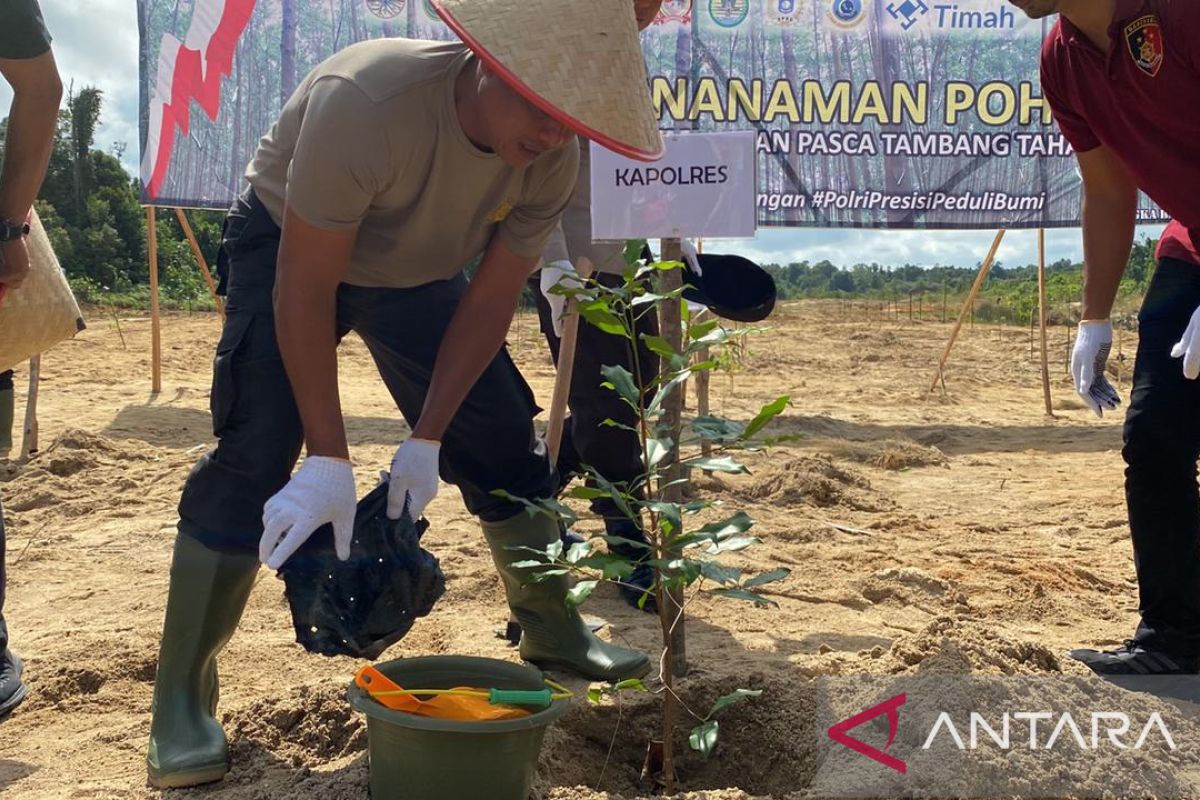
pixel 840 732
pixel 908 12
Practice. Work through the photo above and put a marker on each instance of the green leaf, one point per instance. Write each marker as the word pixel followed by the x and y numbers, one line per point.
pixel 597 313
pixel 762 579
pixel 738 523
pixel 660 396
pixel 723 575
pixel 587 493
pixel 702 329
pixel 742 594
pixel 768 413
pixel 657 450
pixel 579 551
pixel 612 423
pixel 659 345
pixel 631 685
pixel 580 592
pixel 729 699
pixel 617 569
pixel 652 297
pixel 732 545
pixel 595 695
pixel 724 464
pixel 667 511
pixel 621 380
pixel 703 738
pixel 633 251
pixel 716 429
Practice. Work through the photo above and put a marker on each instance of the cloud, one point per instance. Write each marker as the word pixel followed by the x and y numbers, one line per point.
pixel 96 44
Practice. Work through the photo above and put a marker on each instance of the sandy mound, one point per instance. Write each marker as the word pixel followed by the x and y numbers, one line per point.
pixel 811 481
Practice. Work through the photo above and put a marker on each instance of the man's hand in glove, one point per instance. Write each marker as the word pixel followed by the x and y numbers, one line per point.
pixel 321 491
pixel 1088 363
pixel 1188 348
pixel 414 478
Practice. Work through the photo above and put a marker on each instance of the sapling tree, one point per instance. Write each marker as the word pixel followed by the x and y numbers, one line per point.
pixel 687 562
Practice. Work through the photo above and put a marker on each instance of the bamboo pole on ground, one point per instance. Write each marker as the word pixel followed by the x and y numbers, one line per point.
pixel 29 437
pixel 155 332
pixel 984 269
pixel 1042 321
pixel 199 255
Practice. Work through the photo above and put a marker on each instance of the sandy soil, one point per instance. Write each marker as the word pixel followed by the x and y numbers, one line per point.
pixel 967 527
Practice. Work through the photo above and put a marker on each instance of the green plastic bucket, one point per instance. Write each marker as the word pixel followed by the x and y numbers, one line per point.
pixel 418 758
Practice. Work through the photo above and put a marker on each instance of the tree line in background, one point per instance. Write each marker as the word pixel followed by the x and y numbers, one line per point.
pixel 90 208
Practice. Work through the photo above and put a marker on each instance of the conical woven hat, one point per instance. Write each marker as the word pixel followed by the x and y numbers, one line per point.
pixel 579 61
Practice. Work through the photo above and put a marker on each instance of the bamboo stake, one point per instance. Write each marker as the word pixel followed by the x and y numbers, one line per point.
pixel 208 278
pixel 970 304
pixel 566 368
pixel 155 332
pixel 29 440
pixel 1042 321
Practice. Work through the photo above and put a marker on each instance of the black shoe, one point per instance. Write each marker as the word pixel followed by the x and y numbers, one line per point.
pixel 1133 658
pixel 12 690
pixel 1134 667
pixel 638 585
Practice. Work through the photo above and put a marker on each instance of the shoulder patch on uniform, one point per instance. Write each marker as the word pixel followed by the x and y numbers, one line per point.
pixel 1145 39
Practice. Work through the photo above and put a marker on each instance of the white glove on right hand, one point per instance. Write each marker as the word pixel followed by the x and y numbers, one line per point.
pixel 1088 363
pixel 553 274
pixel 414 478
pixel 321 491
pixel 1188 348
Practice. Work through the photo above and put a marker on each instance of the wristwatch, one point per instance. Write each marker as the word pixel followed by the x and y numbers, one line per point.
pixel 10 230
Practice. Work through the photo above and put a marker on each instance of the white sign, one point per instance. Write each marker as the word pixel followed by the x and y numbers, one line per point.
pixel 703 187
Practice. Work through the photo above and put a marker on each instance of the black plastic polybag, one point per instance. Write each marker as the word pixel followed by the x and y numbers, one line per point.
pixel 362 606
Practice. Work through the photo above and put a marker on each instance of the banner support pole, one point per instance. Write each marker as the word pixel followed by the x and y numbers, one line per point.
pixel 155 326
pixel 199 255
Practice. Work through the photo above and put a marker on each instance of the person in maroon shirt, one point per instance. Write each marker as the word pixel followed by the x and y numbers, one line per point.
pixel 1123 79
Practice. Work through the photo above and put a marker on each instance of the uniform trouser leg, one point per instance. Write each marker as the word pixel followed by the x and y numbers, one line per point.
pixel 1162 444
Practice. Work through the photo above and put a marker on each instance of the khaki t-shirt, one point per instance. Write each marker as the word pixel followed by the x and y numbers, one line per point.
pixel 371 138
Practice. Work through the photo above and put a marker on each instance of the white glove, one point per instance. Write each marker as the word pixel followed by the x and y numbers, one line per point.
pixel 414 478
pixel 1087 366
pixel 321 491
pixel 1188 348
pixel 553 274
pixel 690 255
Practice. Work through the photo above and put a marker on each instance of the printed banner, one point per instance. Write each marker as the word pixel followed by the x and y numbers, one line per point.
pixel 867 113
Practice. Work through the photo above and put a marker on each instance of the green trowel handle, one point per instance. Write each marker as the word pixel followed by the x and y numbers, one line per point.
pixel 502 697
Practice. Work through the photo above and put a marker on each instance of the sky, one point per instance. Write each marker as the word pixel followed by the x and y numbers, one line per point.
pixel 95 43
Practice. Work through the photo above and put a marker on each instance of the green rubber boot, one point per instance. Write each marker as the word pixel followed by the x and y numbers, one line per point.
pixel 554 636
pixel 208 592
pixel 6 422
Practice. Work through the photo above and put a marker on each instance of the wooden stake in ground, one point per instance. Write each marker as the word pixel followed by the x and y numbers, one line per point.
pixel 199 255
pixel 155 333
pixel 984 269
pixel 1042 321
pixel 29 439
pixel 702 387
pixel 566 367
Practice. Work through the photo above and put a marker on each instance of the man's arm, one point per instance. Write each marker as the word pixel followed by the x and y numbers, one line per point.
pixel 1109 215
pixel 474 336
pixel 312 262
pixel 37 91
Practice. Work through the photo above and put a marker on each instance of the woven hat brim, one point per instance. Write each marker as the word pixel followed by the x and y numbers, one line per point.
pixel 638 151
